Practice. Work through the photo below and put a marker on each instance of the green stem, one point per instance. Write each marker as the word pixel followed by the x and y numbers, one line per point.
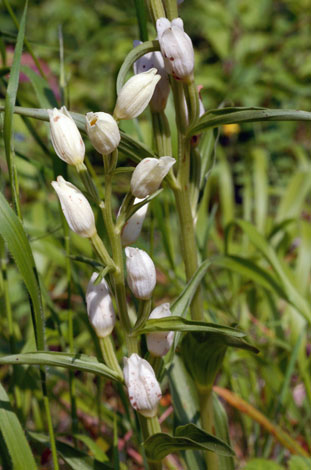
pixel 192 100
pixel 150 426
pixel 51 432
pixel 171 9
pixel 109 355
pixel 157 9
pixel 161 134
pixel 207 421
pixel 116 247
pixel 143 313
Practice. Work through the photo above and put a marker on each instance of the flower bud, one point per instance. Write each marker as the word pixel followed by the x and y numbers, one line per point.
pixel 159 343
pixel 65 136
pixel 176 47
pixel 76 208
pixel 143 388
pixel 103 132
pixel 141 273
pixel 135 95
pixel 148 175
pixel 161 92
pixel 99 307
pixel 132 228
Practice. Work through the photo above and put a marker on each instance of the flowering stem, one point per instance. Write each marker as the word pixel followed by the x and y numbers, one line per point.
pixel 102 252
pixel 116 247
pixel 207 421
pixel 110 355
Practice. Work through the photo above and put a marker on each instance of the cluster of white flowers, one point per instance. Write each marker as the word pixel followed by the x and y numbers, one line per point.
pixel 150 84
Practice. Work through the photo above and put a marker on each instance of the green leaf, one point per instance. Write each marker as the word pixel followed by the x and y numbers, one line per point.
pixel 14 235
pixel 293 296
pixel 183 301
pixel 45 95
pixel 10 100
pixel 222 431
pixel 74 458
pixel 299 463
pixel 218 117
pixel 69 361
pixel 131 57
pixel 187 437
pixel 262 464
pixel 14 436
pixel 129 146
pixel 174 323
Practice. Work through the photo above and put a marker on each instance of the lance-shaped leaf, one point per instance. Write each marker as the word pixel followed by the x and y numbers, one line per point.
pixel 174 323
pixel 218 117
pixel 13 435
pixel 69 361
pixel 186 437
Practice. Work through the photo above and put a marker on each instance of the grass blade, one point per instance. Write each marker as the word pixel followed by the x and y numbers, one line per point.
pixel 14 436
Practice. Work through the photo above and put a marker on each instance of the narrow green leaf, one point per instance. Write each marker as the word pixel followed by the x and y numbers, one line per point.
pixel 222 431
pixel 15 237
pixel 187 437
pixel 14 436
pixel 294 297
pixel 128 146
pixel 131 57
pixel 174 323
pixel 45 95
pixel 218 117
pixel 181 304
pixel 10 100
pixel 69 361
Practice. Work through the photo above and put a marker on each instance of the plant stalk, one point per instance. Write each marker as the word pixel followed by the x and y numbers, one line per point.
pixel 109 355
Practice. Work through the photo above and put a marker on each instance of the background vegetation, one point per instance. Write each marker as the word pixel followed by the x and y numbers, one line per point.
pixel 247 54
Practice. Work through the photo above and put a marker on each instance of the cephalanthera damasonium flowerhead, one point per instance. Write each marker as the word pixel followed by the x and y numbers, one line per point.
pixel 99 307
pixel 103 132
pixel 141 273
pixel 148 175
pixel 161 92
pixel 76 208
pixel 159 343
pixel 143 388
pixel 133 226
pixel 176 47
pixel 135 95
pixel 65 137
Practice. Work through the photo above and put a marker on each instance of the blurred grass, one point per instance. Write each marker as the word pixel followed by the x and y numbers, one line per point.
pixel 247 54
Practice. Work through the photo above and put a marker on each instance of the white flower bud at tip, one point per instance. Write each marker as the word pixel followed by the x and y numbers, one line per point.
pixel 103 132
pixel 141 273
pixel 99 307
pixel 76 208
pixel 65 137
pixel 148 175
pixel 135 95
pixel 176 47
pixel 143 388
pixel 159 343
pixel 162 90
pixel 133 226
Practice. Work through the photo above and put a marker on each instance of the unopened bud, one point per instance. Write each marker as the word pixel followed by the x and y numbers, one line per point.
pixel 159 342
pixel 135 95
pixel 103 132
pixel 65 136
pixel 176 47
pixel 76 208
pixel 133 226
pixel 99 307
pixel 141 273
pixel 148 175
pixel 143 388
pixel 161 92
